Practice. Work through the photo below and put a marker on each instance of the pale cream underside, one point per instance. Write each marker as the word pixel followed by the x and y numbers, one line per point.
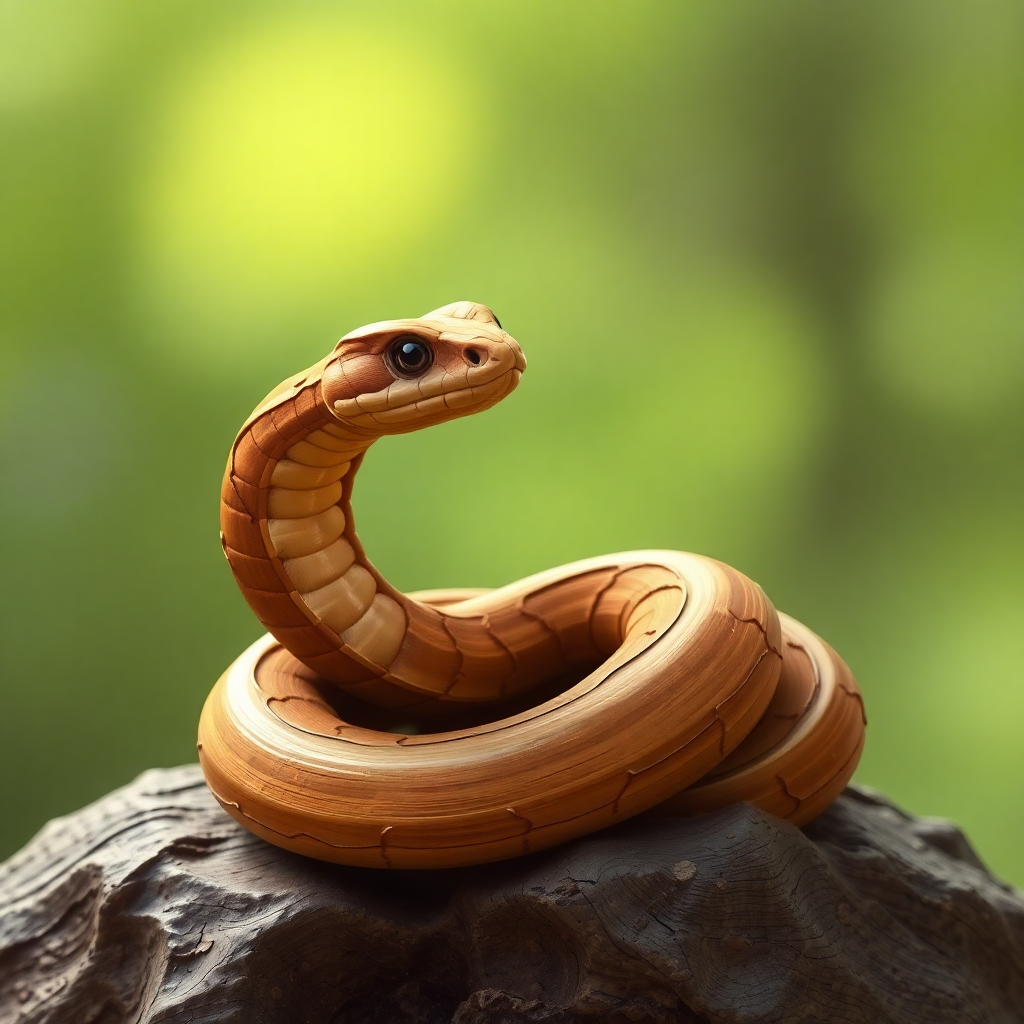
pixel 306 526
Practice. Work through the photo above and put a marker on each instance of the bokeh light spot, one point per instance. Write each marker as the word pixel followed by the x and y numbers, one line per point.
pixel 297 161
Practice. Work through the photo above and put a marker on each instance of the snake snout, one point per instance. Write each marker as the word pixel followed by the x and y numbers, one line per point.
pixel 517 354
pixel 486 357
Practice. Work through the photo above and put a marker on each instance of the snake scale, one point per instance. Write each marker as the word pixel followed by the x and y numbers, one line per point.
pixel 444 728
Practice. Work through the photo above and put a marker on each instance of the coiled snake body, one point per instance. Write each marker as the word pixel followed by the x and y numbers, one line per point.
pixel 648 681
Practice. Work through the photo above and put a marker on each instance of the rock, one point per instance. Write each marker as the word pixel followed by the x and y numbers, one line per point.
pixel 153 905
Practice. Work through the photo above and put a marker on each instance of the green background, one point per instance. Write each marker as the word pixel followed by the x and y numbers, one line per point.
pixel 766 261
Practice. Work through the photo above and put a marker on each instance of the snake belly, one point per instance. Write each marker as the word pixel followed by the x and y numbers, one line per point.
pixel 375 728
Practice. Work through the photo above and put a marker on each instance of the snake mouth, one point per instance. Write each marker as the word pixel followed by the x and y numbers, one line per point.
pixel 404 402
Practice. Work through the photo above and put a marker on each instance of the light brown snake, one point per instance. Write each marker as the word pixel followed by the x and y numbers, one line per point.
pixel 647 681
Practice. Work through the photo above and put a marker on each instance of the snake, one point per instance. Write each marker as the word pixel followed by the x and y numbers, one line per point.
pixel 448 728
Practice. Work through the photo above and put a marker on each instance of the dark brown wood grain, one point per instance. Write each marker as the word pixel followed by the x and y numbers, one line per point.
pixel 153 906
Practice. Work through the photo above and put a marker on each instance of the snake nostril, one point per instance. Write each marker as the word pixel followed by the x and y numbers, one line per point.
pixel 473 356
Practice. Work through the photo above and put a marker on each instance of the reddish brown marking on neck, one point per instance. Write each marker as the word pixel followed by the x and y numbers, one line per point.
pixel 356 375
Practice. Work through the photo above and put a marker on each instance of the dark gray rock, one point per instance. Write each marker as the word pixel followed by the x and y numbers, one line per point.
pixel 153 905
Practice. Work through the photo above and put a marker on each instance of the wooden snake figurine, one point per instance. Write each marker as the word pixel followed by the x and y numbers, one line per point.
pixel 648 681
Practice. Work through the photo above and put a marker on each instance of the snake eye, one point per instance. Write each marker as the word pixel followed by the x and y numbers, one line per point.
pixel 409 357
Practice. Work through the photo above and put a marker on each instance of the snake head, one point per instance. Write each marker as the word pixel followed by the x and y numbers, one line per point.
pixel 399 375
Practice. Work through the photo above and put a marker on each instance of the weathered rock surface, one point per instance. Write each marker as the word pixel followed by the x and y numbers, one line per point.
pixel 153 905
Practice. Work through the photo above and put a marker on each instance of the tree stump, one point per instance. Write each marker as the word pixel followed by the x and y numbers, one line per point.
pixel 153 905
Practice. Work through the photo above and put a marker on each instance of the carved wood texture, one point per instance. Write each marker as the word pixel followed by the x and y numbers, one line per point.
pixel 390 730
pixel 153 906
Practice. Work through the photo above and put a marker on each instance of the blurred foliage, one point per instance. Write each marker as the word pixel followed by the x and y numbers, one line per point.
pixel 766 261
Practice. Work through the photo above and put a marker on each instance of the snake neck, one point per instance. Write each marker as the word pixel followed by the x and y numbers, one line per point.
pixel 289 535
